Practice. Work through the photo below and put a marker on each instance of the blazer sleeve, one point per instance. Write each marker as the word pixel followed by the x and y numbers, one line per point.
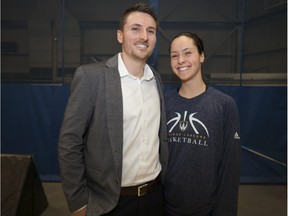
pixel 78 113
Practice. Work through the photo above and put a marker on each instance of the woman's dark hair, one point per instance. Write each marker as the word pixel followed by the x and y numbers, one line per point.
pixel 196 39
pixel 139 7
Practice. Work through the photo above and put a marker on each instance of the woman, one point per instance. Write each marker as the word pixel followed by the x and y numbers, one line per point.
pixel 204 139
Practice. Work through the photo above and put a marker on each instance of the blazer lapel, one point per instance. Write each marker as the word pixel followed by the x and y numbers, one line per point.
pixel 114 112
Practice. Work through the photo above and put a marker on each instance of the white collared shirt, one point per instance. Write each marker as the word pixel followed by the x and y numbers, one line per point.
pixel 141 122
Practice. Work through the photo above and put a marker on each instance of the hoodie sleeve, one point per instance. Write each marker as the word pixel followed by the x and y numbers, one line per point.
pixel 229 168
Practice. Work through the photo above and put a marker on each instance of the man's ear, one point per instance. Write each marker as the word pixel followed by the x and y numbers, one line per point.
pixel 120 36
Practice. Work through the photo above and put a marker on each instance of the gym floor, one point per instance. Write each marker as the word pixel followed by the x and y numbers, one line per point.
pixel 254 200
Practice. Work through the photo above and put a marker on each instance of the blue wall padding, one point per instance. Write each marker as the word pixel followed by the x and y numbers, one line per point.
pixel 31 117
pixel 263 118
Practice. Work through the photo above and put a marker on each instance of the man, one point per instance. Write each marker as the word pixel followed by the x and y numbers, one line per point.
pixel 113 144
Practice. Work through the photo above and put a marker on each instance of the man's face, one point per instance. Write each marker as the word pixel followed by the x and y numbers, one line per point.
pixel 138 37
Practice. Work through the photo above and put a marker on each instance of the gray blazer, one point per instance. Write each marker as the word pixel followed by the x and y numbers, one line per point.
pixel 91 138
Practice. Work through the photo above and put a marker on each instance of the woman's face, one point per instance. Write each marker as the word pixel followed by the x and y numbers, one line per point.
pixel 185 59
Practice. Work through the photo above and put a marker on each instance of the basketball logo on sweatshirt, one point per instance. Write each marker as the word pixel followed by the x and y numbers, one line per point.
pixel 183 122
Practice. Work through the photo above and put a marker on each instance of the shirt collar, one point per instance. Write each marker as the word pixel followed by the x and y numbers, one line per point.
pixel 148 74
